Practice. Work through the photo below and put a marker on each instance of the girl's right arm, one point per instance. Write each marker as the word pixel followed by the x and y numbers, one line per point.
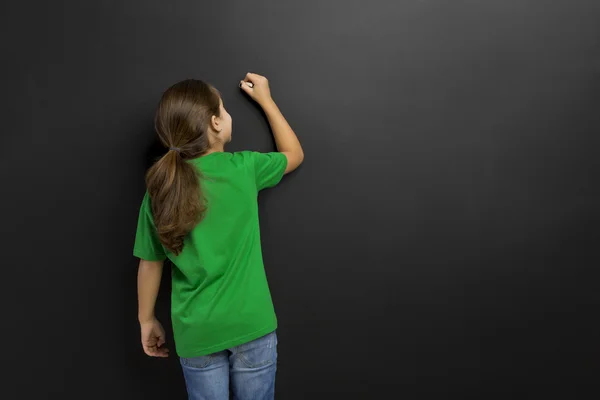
pixel 148 282
pixel 286 140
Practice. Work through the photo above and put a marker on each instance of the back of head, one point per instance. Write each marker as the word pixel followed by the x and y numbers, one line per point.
pixel 182 123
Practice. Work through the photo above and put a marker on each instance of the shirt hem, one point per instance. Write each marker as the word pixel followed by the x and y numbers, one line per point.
pixel 228 344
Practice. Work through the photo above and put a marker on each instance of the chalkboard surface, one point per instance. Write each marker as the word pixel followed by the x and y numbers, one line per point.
pixel 440 240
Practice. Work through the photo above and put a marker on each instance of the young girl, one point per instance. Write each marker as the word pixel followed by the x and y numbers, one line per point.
pixel 200 211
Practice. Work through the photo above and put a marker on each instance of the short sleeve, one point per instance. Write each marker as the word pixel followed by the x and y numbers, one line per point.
pixel 268 168
pixel 147 246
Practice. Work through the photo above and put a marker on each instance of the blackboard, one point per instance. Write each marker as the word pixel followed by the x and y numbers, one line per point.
pixel 440 240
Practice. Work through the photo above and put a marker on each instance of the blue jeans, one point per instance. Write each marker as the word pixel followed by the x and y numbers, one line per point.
pixel 249 368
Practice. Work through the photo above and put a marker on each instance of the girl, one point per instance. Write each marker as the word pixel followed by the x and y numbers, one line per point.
pixel 200 210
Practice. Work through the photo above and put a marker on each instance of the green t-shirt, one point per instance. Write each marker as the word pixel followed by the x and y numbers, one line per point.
pixel 220 297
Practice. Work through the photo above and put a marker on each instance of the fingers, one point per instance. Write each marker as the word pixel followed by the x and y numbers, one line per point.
pixel 155 351
pixel 161 353
pixel 153 338
pixel 251 77
pixel 161 339
pixel 254 78
pixel 246 86
pixel 153 346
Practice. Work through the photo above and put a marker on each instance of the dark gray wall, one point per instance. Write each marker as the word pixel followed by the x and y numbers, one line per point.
pixel 440 241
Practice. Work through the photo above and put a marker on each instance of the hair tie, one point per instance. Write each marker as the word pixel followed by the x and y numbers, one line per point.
pixel 177 149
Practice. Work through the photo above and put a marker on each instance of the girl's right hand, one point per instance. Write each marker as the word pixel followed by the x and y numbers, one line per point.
pixel 260 91
pixel 153 338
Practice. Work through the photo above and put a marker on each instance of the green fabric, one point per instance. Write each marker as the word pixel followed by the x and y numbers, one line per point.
pixel 220 296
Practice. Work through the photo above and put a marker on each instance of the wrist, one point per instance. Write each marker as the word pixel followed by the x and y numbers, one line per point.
pixel 268 104
pixel 146 318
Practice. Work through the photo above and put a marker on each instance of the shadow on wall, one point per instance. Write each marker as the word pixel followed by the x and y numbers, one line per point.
pixel 163 377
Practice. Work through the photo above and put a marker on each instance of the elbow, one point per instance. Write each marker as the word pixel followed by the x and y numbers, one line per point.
pixel 294 160
pixel 300 156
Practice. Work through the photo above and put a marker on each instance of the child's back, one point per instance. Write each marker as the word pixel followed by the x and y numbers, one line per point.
pixel 220 296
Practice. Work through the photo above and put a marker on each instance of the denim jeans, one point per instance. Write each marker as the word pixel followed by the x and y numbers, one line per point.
pixel 249 369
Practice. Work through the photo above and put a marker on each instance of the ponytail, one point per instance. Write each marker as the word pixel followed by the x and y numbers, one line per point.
pixel 181 122
pixel 174 188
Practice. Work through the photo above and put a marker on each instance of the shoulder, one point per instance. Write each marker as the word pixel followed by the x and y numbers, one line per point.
pixel 245 157
pixel 146 199
pixel 257 155
pixel 146 205
pixel 245 154
pixel 258 160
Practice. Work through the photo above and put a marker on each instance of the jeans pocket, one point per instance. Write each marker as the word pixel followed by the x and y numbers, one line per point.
pixel 197 362
pixel 259 352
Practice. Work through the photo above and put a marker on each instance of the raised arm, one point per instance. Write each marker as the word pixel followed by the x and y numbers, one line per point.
pixel 285 138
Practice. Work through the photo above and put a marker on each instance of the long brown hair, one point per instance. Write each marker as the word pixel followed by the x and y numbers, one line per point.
pixel 181 122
